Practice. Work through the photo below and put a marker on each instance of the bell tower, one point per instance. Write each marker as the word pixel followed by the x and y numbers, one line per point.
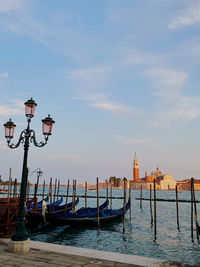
pixel 135 169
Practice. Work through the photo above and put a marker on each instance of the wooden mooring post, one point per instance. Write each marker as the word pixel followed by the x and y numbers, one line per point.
pixel 15 188
pixel 177 212
pixel 67 195
pixel 195 214
pixel 43 190
pixel 50 193
pixel 9 184
pixel 58 189
pixel 35 199
pixel 130 201
pixel 124 206
pixel 85 194
pixel 141 197
pixel 155 226
pixel 27 189
pixel 107 192
pixel 192 199
pixel 111 196
pixel 73 196
pixel 151 214
pixel 54 195
pixel 98 219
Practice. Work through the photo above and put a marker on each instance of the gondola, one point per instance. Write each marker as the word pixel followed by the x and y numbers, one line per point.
pixel 63 208
pixel 82 212
pixel 90 219
pixel 35 218
pixel 30 204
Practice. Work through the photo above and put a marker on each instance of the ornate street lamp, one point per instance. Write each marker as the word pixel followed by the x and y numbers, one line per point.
pixel 39 173
pixel 26 136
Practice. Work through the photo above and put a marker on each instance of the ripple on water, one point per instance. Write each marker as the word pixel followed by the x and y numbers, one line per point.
pixel 139 236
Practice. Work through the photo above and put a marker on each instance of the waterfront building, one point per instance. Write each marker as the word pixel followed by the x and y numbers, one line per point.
pixel 186 184
pixel 163 181
pixel 135 169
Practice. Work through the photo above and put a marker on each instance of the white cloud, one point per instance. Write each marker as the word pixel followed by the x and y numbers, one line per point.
pixel 183 110
pixel 133 57
pixel 7 111
pixel 191 17
pixel 3 146
pixel 17 102
pixel 167 83
pixel 90 78
pixel 122 14
pixel 7 6
pixel 109 106
pixel 3 74
pixel 14 107
pixel 128 140
pixel 93 79
pixel 101 101
pixel 64 156
pixel 60 37
pixel 172 105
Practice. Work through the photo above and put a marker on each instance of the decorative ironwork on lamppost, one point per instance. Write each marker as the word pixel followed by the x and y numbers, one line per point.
pixel 26 136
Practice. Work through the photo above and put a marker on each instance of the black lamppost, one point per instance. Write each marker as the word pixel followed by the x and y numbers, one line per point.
pixel 26 136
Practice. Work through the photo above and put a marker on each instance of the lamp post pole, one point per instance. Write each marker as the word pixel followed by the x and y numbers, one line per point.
pixel 26 137
pixel 20 233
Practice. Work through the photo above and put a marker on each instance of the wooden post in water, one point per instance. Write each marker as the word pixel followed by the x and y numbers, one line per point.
pixel 177 213
pixel 54 196
pixel 195 213
pixel 155 226
pixel 11 187
pixel 67 194
pixel 124 206
pixel 85 194
pixel 74 193
pixel 58 189
pixel 35 199
pixel 111 195
pixel 27 191
pixel 9 184
pixel 73 198
pixel 191 184
pixel 15 188
pixel 38 177
pixel 50 193
pixel 151 214
pixel 130 200
pixel 141 197
pixel 107 192
pixel 27 186
pixel 43 190
pixel 98 219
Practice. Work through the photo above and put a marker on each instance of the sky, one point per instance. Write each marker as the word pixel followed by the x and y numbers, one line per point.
pixel 117 76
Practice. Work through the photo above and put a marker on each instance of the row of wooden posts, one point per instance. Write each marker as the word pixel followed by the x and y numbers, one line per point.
pixel 56 195
pixel 153 215
pixel 193 210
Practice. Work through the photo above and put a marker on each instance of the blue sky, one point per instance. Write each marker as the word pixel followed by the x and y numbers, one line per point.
pixel 117 76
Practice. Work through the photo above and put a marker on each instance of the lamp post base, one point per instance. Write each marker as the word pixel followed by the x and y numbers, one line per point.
pixel 19 246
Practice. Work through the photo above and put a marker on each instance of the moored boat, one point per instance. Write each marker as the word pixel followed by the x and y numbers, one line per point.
pixel 38 217
pixel 87 219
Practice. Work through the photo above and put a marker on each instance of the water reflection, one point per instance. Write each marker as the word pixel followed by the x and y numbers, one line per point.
pixel 138 238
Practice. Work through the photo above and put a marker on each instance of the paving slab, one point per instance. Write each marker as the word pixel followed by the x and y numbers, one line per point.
pixel 53 255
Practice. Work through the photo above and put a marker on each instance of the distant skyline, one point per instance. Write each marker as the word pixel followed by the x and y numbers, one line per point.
pixel 117 76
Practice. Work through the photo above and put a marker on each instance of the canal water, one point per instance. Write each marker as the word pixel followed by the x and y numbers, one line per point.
pixel 139 236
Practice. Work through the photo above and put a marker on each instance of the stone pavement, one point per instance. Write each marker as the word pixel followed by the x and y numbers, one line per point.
pixel 51 255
